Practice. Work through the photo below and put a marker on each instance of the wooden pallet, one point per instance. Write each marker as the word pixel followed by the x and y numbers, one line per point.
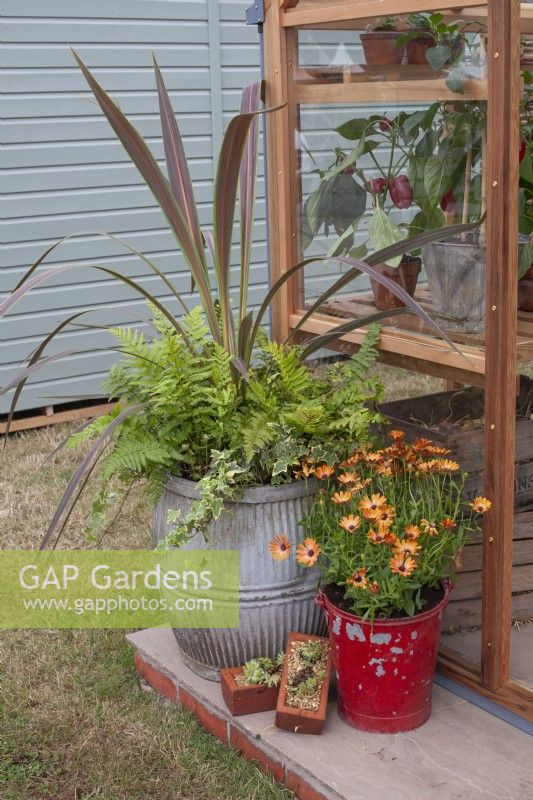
pixel 53 415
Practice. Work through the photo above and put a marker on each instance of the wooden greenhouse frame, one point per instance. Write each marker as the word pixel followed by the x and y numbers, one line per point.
pixel 492 366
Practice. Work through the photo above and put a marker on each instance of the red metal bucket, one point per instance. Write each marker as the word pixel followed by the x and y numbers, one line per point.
pixel 384 669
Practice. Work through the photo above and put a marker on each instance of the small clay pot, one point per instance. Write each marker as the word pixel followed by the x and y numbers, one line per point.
pixel 417 47
pixel 405 275
pixel 381 48
pixel 246 699
pixel 525 291
pixel 301 720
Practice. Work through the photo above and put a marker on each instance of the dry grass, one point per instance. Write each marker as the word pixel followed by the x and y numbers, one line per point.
pixel 73 723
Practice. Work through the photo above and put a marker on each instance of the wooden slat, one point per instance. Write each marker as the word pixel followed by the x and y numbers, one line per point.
pixel 467 613
pixel 278 150
pixel 408 91
pixel 503 55
pixel 43 419
pixel 421 347
pixel 310 12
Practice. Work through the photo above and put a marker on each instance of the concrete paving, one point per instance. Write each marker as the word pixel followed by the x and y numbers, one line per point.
pixel 461 753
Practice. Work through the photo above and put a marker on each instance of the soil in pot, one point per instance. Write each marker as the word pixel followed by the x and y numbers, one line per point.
pixel 405 275
pixel 417 47
pixel 381 48
pixel 303 696
pixel 244 698
pixel 384 668
pixel 525 291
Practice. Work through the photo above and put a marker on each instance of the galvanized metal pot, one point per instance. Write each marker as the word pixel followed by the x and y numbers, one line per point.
pixel 456 281
pixel 276 597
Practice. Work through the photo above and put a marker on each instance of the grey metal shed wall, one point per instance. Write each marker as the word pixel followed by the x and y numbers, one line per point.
pixel 62 170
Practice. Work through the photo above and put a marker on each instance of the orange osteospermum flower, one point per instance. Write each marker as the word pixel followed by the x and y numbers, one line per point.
pixel 374 587
pixel 374 458
pixel 348 477
pixel 480 505
pixel 307 552
pixel 384 469
pixel 279 547
pixel 437 451
pixel 382 536
pixel 305 471
pixel 350 523
pixel 429 527
pixel 358 579
pixel 448 523
pixel 324 471
pixel 397 436
pixel 406 548
pixel 447 465
pixel 422 444
pixel 341 497
pixel 412 532
pixel 385 515
pixel 402 565
pixel 428 466
pixel 369 505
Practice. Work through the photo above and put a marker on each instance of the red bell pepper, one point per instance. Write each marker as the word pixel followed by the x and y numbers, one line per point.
pixel 447 202
pixel 379 185
pixel 401 191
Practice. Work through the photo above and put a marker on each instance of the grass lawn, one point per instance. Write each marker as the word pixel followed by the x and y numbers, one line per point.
pixel 74 724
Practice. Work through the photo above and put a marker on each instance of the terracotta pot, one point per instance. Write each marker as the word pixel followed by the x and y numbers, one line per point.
pixel 301 720
pixel 246 699
pixel 385 668
pixel 525 291
pixel 417 48
pixel 405 275
pixel 381 48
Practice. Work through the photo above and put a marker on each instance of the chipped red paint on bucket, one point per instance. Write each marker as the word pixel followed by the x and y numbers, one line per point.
pixel 384 669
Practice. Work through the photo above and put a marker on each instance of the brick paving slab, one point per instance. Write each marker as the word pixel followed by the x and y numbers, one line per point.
pixel 461 753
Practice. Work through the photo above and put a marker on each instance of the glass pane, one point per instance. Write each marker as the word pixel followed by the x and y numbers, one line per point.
pixel 385 151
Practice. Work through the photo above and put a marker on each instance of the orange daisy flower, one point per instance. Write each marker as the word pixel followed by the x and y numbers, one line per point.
pixel 350 523
pixel 428 466
pixel 369 505
pixel 279 547
pixel 374 458
pixel 403 566
pixel 480 505
pixel 307 553
pixel 358 579
pixel 341 497
pixel 448 523
pixel 374 587
pixel 446 465
pixel 352 460
pixel 384 469
pixel 382 536
pixel 397 436
pixel 385 515
pixel 348 477
pixel 324 471
pixel 412 532
pixel 422 444
pixel 406 548
pixel 305 471
pixel 429 527
pixel 437 451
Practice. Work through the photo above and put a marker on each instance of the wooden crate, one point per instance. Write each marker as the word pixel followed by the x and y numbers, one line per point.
pixel 454 420
pixel 464 609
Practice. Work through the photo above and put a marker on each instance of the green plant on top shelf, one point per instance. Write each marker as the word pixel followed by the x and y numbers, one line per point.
pixel 387 23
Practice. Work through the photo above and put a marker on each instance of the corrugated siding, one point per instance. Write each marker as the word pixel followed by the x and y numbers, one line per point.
pixel 62 170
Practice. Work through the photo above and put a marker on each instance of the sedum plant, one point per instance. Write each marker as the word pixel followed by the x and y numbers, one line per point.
pixel 208 396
